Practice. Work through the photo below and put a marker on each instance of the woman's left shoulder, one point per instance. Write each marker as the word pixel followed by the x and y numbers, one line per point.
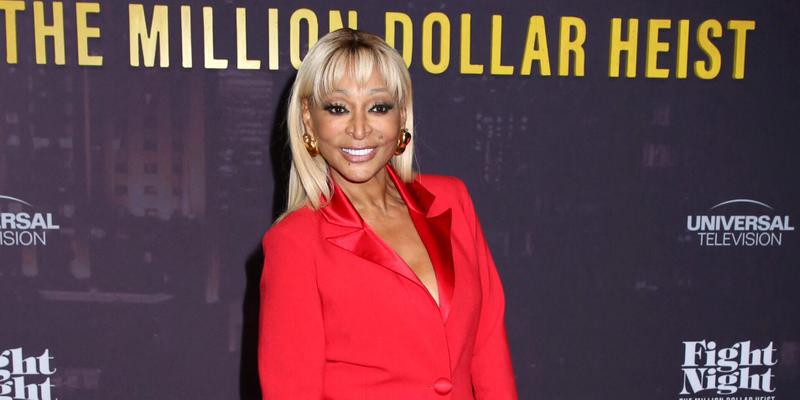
pixel 443 185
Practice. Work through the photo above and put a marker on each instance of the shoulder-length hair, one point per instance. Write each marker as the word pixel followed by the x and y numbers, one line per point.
pixel 342 51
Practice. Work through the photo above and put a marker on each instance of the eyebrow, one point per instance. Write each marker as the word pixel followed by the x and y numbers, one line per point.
pixel 373 90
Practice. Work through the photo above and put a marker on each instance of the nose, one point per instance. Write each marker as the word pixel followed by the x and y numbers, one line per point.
pixel 359 127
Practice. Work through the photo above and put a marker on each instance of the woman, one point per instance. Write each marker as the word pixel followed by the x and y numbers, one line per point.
pixel 377 282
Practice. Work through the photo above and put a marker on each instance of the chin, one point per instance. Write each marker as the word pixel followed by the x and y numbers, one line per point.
pixel 361 173
pixel 356 177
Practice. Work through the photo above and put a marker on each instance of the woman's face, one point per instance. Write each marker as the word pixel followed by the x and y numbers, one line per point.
pixel 356 128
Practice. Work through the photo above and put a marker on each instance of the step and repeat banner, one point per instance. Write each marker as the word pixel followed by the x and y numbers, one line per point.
pixel 634 165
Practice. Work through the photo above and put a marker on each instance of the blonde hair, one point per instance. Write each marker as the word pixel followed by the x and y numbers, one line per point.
pixel 341 51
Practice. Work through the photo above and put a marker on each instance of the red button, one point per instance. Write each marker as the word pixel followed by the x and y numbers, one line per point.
pixel 443 386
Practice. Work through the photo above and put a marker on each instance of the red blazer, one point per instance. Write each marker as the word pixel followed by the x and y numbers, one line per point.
pixel 343 317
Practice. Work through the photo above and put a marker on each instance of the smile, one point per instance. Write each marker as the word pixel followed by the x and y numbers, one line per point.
pixel 355 155
pixel 358 152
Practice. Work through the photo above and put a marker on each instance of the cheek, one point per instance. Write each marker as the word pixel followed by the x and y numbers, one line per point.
pixel 329 129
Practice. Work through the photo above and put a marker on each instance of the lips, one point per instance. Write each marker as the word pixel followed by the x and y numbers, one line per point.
pixel 358 154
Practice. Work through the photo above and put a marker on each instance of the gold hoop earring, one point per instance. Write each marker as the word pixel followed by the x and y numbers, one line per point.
pixel 311 144
pixel 402 141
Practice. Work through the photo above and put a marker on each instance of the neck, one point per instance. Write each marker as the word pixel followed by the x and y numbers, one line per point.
pixel 376 194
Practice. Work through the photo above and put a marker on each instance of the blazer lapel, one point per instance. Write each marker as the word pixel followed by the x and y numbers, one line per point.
pixel 346 229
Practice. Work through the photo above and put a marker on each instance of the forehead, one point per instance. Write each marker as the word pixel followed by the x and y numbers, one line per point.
pixel 349 82
pixel 361 90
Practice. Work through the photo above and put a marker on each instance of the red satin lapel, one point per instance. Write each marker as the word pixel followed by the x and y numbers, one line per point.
pixel 435 234
pixel 365 244
pixel 353 235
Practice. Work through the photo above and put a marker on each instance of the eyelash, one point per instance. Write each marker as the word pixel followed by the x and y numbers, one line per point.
pixel 331 106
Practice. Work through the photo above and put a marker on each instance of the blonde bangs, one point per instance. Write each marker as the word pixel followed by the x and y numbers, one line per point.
pixel 358 63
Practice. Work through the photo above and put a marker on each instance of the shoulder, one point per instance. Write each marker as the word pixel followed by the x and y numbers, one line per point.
pixel 442 185
pixel 453 192
pixel 289 230
pixel 289 255
pixel 450 189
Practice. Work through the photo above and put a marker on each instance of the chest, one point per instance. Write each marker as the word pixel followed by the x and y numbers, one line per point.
pixel 368 301
pixel 401 236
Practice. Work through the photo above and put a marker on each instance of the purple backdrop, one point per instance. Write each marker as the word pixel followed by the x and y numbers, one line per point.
pixel 633 220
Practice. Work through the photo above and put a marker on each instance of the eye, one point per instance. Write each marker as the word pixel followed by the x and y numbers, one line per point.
pixel 382 108
pixel 335 108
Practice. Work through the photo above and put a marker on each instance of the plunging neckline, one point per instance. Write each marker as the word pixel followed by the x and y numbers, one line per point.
pixel 383 243
pixel 432 219
pixel 368 228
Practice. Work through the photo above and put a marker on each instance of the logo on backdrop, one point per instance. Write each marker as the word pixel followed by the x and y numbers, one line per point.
pixel 728 228
pixel 25 377
pixel 24 228
pixel 711 369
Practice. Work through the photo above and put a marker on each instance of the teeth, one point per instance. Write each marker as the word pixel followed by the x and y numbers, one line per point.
pixel 357 152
